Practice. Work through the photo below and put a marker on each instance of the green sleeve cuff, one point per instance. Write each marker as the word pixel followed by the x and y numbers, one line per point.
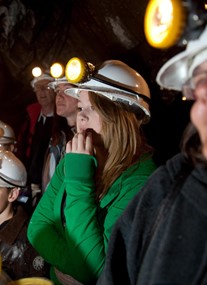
pixel 80 166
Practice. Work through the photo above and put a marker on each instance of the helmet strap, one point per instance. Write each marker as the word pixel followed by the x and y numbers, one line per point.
pixel 144 97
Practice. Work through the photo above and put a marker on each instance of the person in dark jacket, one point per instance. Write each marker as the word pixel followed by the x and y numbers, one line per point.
pixel 19 258
pixel 161 236
pixel 35 134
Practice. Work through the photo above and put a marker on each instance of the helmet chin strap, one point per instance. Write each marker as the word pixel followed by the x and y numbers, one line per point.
pixel 145 98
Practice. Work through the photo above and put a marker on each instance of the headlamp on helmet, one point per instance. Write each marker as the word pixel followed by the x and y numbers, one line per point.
pixel 39 75
pixel 114 80
pixel 79 71
pixel 56 70
pixel 170 22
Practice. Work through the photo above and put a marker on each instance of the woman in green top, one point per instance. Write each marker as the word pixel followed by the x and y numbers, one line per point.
pixel 105 165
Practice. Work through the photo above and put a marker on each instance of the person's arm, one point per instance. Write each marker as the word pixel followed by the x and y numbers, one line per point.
pixel 87 235
pixel 83 232
pixel 43 230
pixel 65 247
pixel 79 249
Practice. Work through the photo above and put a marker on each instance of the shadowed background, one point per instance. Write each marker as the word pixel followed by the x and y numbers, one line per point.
pixel 42 32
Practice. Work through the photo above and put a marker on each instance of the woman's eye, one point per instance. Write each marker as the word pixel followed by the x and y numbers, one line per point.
pixel 79 109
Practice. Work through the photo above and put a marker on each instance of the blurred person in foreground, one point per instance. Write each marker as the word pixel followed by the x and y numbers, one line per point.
pixel 161 236
pixel 111 161
pixel 36 132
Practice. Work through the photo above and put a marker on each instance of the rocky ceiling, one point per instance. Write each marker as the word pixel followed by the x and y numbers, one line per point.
pixel 43 31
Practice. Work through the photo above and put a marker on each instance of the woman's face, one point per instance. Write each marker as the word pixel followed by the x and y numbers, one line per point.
pixel 198 112
pixel 87 117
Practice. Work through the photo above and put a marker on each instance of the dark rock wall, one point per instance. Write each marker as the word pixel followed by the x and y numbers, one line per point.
pixel 41 32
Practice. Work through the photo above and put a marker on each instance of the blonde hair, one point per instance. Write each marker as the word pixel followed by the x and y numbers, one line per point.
pixel 122 137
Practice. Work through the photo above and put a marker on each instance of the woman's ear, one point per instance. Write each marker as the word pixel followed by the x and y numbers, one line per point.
pixel 14 194
pixel 12 148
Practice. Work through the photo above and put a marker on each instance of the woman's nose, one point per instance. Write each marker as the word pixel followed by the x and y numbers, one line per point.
pixel 82 116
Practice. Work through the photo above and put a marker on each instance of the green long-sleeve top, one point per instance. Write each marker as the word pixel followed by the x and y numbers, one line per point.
pixel 69 228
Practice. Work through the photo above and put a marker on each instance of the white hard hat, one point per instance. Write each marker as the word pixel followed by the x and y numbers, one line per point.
pixel 56 82
pixel 118 82
pixel 7 135
pixel 43 76
pixel 175 72
pixel 12 170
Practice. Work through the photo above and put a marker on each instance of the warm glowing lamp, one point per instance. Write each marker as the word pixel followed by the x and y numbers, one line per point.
pixel 164 22
pixel 75 70
pixel 56 70
pixel 36 71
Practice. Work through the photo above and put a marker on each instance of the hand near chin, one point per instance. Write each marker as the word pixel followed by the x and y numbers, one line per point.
pixel 81 143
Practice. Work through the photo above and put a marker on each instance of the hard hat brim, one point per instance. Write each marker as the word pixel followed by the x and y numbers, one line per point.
pixel 114 95
pixel 40 78
pixel 58 81
pixel 175 72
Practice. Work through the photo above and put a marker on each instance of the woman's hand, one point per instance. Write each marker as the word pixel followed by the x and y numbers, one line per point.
pixel 81 143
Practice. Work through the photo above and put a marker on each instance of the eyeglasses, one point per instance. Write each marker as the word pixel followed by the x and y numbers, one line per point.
pixel 61 89
pixel 197 80
pixel 41 89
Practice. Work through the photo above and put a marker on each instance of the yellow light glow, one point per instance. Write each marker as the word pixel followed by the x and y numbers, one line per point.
pixel 163 21
pixel 56 70
pixel 75 70
pixel 36 71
